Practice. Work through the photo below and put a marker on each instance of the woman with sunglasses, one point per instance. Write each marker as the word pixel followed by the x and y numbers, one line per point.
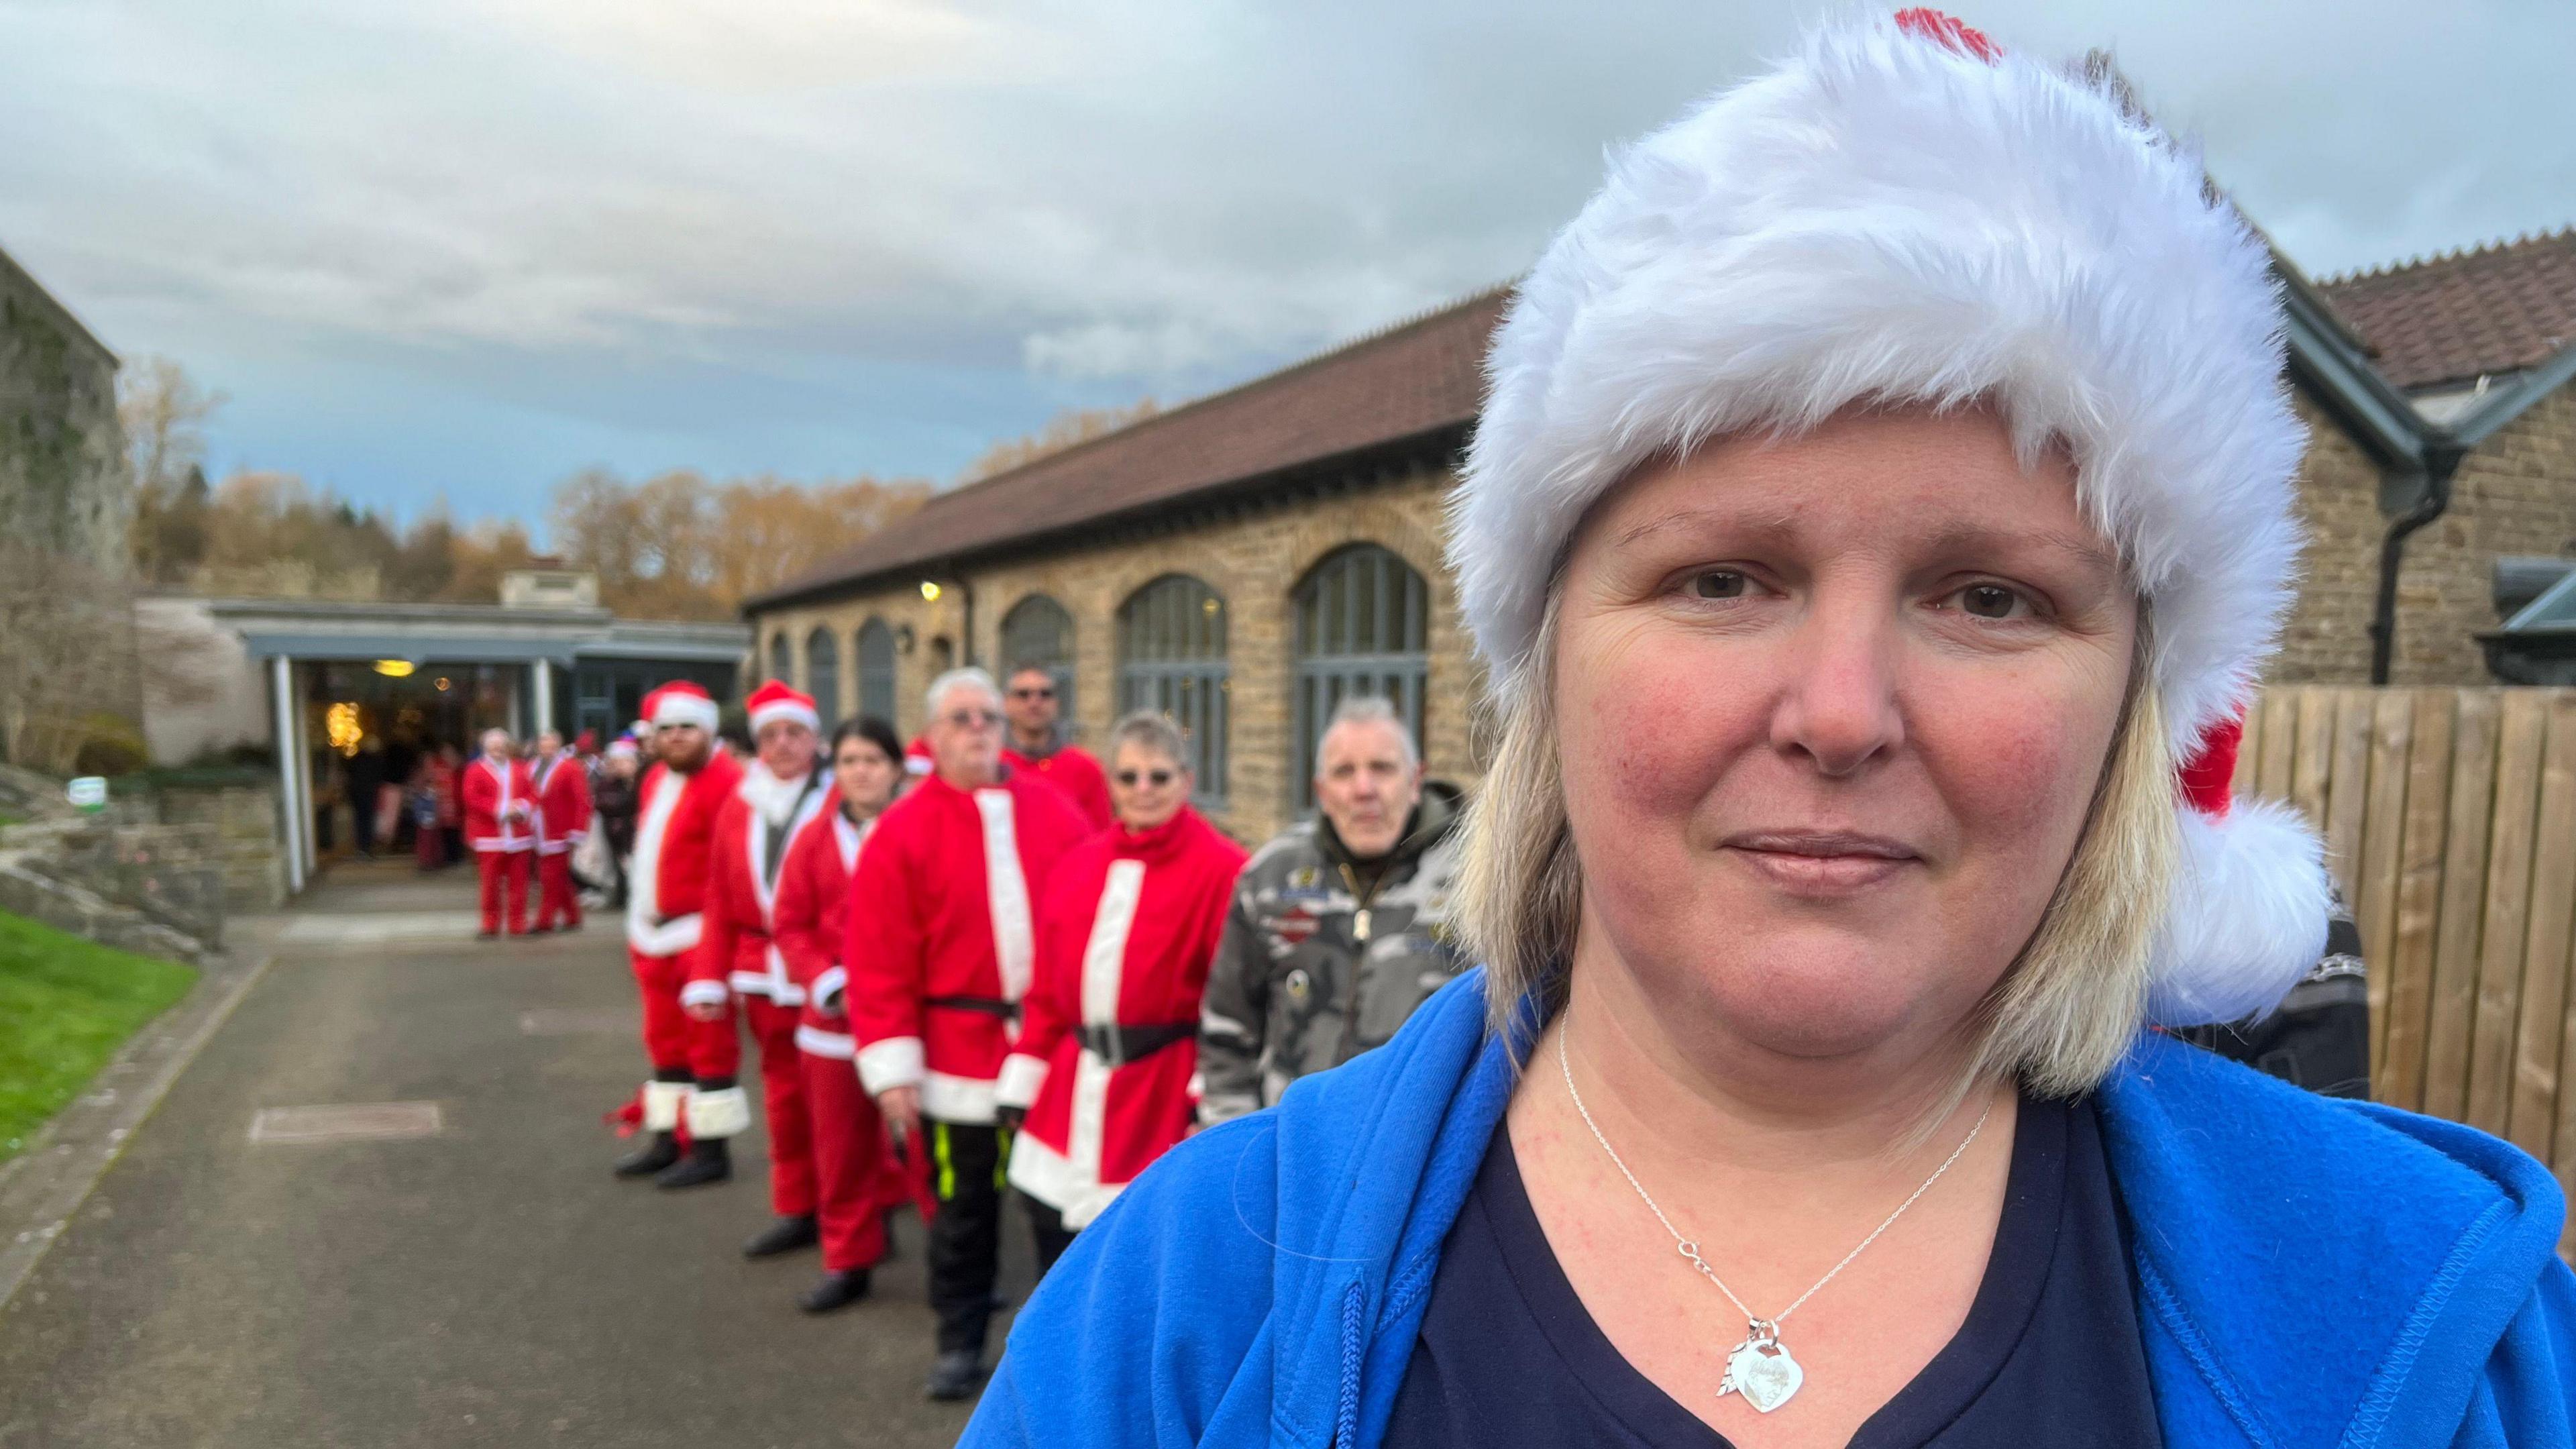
pixel 1109 1030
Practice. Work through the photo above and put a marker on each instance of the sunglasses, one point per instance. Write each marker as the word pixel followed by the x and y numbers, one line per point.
pixel 1159 778
pixel 1046 691
pixel 972 719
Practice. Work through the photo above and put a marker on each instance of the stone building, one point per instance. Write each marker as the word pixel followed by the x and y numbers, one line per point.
pixel 1246 559
pixel 63 483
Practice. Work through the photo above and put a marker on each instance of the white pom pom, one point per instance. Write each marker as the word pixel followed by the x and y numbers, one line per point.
pixel 2249 916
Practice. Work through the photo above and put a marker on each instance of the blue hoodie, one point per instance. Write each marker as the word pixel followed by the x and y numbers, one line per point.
pixel 2310 1272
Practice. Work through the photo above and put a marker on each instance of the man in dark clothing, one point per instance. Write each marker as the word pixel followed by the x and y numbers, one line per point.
pixel 612 805
pixel 2319 1036
pixel 1340 927
pixel 363 777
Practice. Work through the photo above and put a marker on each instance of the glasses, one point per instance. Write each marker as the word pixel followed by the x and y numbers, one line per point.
pixel 972 719
pixel 1160 778
pixel 1043 691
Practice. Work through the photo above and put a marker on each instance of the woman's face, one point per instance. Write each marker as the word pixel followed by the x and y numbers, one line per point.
pixel 865 776
pixel 1146 786
pixel 1831 715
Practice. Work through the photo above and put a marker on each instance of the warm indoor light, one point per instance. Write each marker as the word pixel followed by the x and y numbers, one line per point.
pixel 340 726
pixel 442 681
pixel 930 591
pixel 395 668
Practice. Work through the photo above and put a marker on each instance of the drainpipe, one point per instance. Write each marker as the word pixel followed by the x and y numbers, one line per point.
pixel 2442 454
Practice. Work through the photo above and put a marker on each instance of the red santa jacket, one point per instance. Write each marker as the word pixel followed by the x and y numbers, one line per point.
pixel 1072 770
pixel 675 820
pixel 561 785
pixel 949 942
pixel 499 807
pixel 808 924
pixel 739 952
pixel 1126 932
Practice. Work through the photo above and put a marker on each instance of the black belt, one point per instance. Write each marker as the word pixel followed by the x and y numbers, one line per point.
pixel 988 1005
pixel 1119 1045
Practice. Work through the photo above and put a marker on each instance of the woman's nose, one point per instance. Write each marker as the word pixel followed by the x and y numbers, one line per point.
pixel 1837 703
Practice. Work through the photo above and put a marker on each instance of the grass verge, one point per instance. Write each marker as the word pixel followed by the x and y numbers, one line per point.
pixel 66 1005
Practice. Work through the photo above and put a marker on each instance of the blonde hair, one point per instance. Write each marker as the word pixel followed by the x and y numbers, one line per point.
pixel 2057 1020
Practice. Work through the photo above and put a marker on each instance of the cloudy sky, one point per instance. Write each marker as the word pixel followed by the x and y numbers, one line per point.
pixel 461 249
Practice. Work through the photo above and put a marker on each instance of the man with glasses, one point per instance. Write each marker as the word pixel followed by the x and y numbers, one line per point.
pixel 1037 745
pixel 937 965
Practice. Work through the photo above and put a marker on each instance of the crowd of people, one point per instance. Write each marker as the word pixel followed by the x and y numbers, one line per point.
pixel 980 965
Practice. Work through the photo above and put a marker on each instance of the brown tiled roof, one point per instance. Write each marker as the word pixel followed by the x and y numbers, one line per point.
pixel 2448 319
pixel 1415 378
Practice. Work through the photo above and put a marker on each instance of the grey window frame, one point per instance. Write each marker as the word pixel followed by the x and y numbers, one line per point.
pixel 876 682
pixel 1172 656
pixel 782 659
pixel 823 675
pixel 1019 645
pixel 1362 625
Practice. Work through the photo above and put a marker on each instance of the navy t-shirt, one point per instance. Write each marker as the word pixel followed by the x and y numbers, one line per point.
pixel 2049 1354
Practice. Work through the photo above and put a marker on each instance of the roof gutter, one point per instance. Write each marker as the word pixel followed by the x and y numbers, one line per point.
pixel 2427 478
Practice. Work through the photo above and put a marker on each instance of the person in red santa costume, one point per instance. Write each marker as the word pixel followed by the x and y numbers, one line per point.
pixel 857 1179
pixel 561 786
pixel 667 880
pixel 1108 1037
pixel 499 811
pixel 781 792
pixel 937 966
pixel 1038 746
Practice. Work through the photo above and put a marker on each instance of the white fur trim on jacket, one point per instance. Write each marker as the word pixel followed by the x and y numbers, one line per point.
pixel 1882 217
pixel 1023 1077
pixel 662 1102
pixel 894 1062
pixel 829 983
pixel 816 1042
pixel 719 1114
pixel 705 991
pixel 967 1100
pixel 2248 919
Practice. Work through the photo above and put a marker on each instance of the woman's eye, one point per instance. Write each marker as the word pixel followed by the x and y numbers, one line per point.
pixel 1718 584
pixel 1992 601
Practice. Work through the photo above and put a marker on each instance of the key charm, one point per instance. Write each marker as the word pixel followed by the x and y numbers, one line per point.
pixel 1762 1369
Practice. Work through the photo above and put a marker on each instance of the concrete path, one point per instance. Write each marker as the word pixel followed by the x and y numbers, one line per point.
pixel 462 1272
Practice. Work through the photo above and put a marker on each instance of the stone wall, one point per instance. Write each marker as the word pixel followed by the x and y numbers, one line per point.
pixel 1255 559
pixel 152 888
pixel 239 822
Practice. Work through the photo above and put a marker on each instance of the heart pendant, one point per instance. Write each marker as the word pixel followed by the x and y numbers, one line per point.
pixel 1764 1373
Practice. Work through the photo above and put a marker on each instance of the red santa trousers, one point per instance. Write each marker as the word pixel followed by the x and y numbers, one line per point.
pixel 715 1052
pixel 857 1178
pixel 503 870
pixel 556 900
pixel 668 1032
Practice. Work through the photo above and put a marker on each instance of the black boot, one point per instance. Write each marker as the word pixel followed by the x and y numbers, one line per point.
pixel 954 1374
pixel 708 1161
pixel 652 1157
pixel 783 1236
pixel 835 1291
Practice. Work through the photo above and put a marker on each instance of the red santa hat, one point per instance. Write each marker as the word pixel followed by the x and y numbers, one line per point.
pixel 621 748
pixel 1906 212
pixel 681 702
pixel 917 759
pixel 774 701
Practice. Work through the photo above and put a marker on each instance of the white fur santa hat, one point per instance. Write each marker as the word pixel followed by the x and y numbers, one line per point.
pixel 775 701
pixel 1907 213
pixel 681 703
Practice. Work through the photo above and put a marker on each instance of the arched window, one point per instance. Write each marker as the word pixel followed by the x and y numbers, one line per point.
pixel 1171 657
pixel 1038 631
pixel 1362 615
pixel 876 670
pixel 780 661
pixel 823 676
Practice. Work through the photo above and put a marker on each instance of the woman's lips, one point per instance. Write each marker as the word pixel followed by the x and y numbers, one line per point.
pixel 1821 862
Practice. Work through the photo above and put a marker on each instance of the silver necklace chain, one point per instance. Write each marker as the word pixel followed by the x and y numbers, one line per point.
pixel 1690 1248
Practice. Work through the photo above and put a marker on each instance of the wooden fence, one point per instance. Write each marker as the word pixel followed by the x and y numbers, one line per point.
pixel 2450 822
